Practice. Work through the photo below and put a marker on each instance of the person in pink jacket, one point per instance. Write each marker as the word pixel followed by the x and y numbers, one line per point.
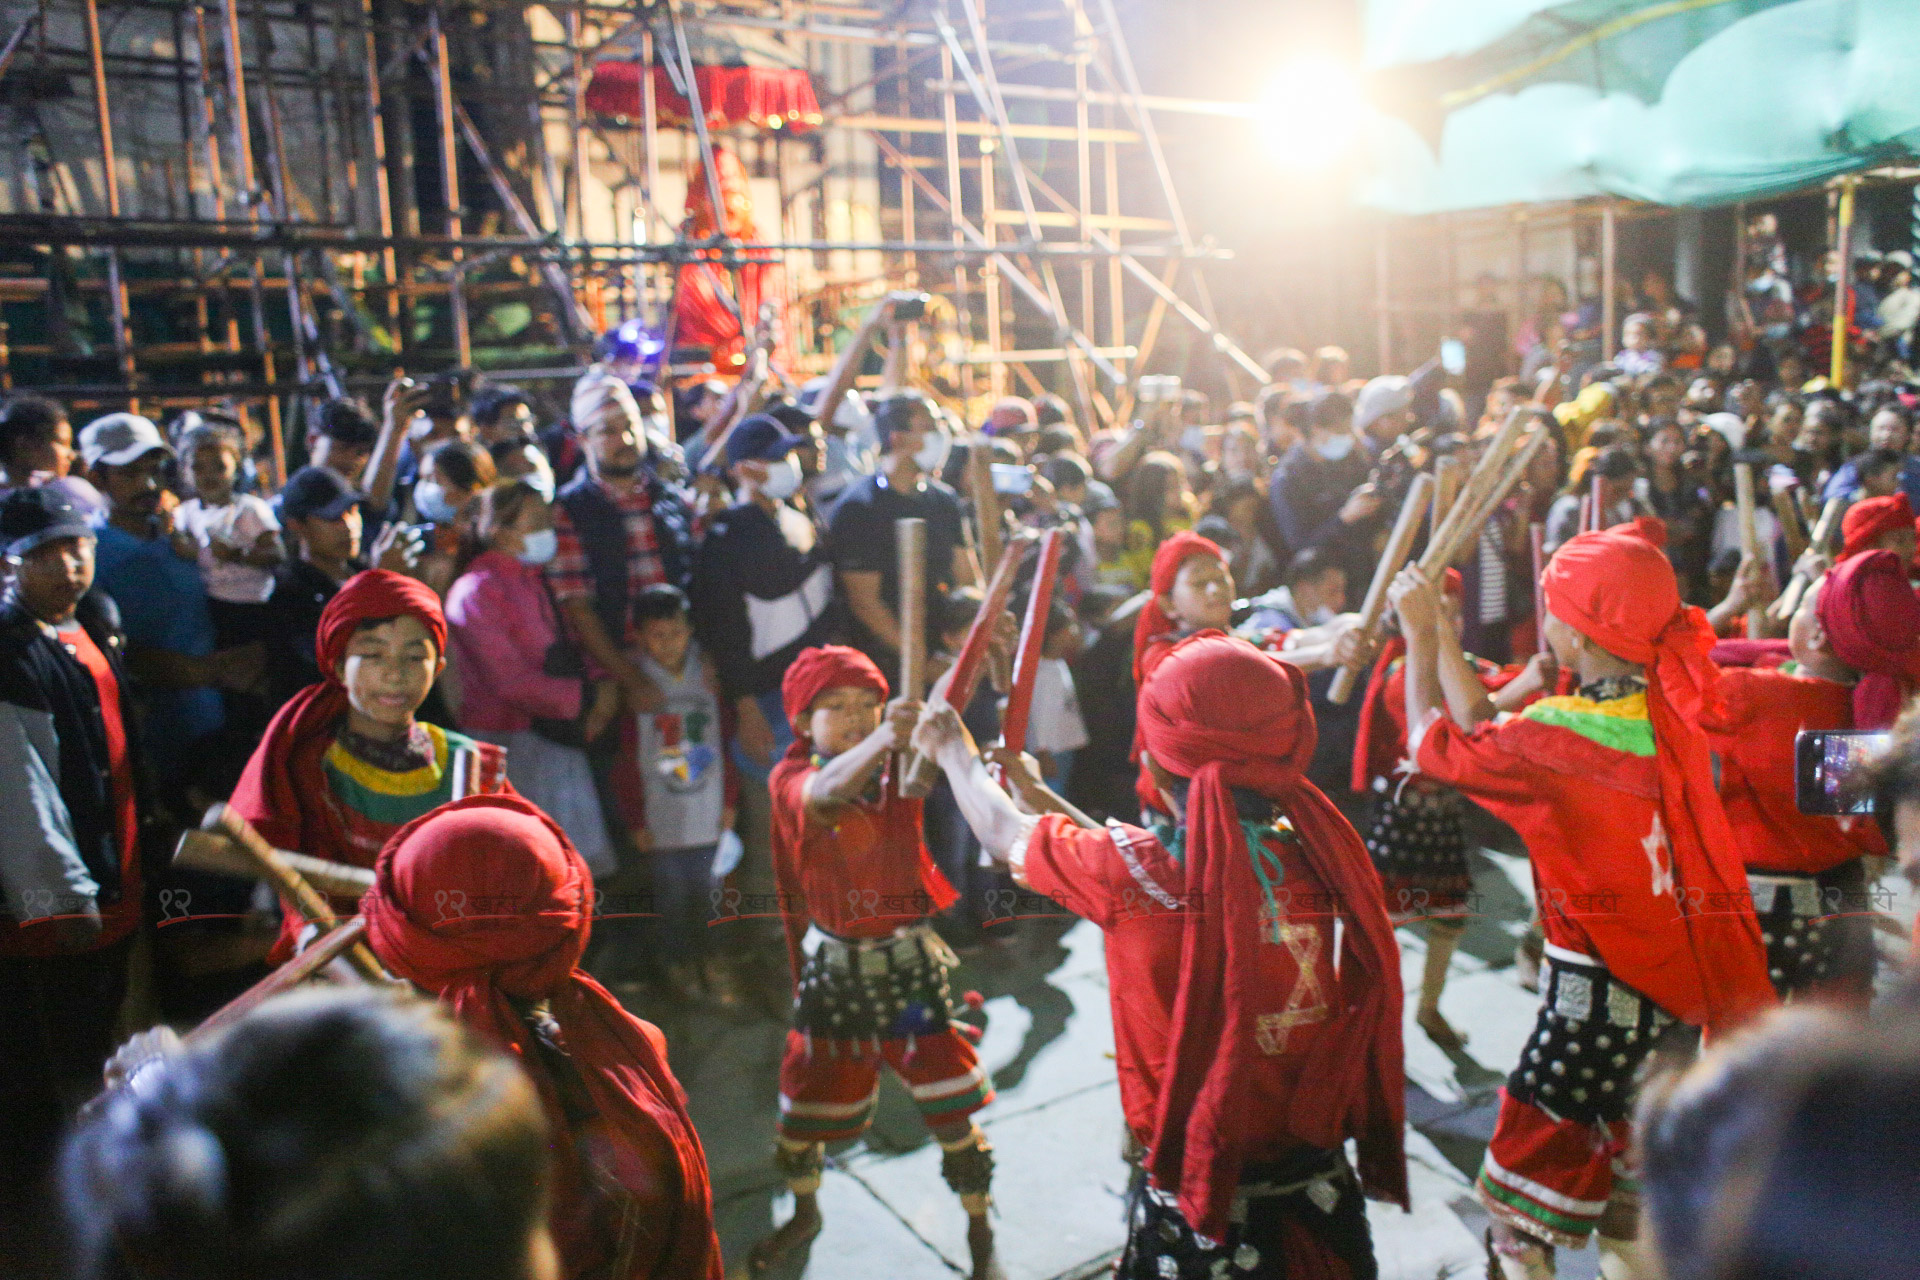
pixel 520 682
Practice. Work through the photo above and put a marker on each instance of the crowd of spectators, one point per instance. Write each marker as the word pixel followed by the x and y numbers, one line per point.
pixel 627 575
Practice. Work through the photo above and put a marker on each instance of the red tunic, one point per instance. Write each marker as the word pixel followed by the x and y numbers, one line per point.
pixel 1124 880
pixel 1764 709
pixel 864 876
pixel 1602 866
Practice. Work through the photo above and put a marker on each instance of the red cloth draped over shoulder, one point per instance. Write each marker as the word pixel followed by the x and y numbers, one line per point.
pixel 1222 713
pixel 484 902
pixel 1616 588
pixel 276 792
pixel 1872 617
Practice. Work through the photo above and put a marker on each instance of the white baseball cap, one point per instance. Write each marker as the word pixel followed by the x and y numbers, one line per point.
pixel 119 438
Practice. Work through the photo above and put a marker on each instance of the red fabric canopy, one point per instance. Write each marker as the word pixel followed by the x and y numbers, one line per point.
pixel 765 97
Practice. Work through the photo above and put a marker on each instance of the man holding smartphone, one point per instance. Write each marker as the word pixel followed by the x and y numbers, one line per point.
pixel 1805 870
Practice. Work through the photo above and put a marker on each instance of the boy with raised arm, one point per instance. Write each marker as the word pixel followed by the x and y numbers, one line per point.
pixel 871 977
pixel 1641 893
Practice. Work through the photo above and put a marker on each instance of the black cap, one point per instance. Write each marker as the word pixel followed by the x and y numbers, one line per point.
pixel 316 492
pixel 29 517
pixel 760 438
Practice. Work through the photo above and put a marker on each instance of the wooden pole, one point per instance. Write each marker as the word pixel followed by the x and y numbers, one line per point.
pixel 292 886
pixel 323 952
pixel 1749 536
pixel 1787 512
pixel 986 503
pixel 1449 474
pixel 1399 546
pixel 1843 281
pixel 1821 540
pixel 1537 543
pixel 1597 511
pixel 217 854
pixel 910 548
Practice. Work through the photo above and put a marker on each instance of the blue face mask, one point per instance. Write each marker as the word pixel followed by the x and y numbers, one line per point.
pixel 430 500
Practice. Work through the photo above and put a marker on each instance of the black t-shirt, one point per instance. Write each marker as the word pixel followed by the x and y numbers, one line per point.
pixel 300 594
pixel 861 540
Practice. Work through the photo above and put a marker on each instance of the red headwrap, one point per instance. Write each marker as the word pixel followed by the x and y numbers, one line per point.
pixel 1617 589
pixel 1223 714
pixel 1869 519
pixel 830 666
pixel 1371 708
pixel 1873 618
pixel 270 794
pixel 1153 621
pixel 483 902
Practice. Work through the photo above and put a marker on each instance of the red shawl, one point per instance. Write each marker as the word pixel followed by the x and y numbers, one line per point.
pixel 1153 622
pixel 270 791
pixel 1872 616
pixel 1223 714
pixel 1617 589
pixel 484 902
pixel 1372 705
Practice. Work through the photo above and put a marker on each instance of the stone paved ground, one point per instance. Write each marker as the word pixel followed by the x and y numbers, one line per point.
pixel 1056 1126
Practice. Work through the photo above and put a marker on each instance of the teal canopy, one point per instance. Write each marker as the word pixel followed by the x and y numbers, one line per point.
pixel 1494 102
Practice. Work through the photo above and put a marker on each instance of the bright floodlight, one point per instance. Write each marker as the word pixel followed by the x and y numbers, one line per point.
pixel 1310 114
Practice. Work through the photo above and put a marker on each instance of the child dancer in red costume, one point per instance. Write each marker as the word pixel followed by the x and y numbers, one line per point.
pixel 1254 978
pixel 871 977
pixel 1638 878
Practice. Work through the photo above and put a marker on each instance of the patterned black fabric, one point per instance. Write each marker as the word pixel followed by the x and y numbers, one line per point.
pixel 1818 930
pixel 1419 845
pixel 1315 1192
pixel 1589 1043
pixel 887 989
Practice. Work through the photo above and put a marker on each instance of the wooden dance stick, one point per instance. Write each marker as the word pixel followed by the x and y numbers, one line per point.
pixel 910 551
pixel 1486 474
pixel 1821 540
pixel 1749 536
pixel 217 854
pixel 290 884
pixel 1464 530
pixel 957 685
pixel 1449 475
pixel 1033 635
pixel 986 503
pixel 343 940
pixel 1537 542
pixel 1787 512
pixel 1597 511
pixel 1399 547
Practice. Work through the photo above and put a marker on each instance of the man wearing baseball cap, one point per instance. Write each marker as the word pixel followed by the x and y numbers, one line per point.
pixel 761 584
pixel 154 578
pixel 69 865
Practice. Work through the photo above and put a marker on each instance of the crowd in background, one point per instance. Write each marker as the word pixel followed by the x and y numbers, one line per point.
pixel 626 573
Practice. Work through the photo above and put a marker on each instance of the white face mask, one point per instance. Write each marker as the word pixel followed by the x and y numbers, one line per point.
pixel 783 479
pixel 1334 448
pixel 932 455
pixel 430 500
pixel 538 547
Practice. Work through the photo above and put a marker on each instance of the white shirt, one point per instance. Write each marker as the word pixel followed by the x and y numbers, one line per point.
pixel 239 525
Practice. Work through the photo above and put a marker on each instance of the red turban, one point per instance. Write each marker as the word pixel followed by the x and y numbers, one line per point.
pixel 484 902
pixel 1222 713
pixel 1617 589
pixel 270 794
pixel 1870 519
pixel 1873 618
pixel 1153 621
pixel 830 666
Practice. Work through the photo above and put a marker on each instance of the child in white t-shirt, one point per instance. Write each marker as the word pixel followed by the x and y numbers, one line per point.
pixel 1055 728
pixel 237 533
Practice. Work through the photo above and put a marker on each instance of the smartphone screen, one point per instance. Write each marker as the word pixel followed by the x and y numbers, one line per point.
pixel 1012 478
pixel 1830 769
pixel 1453 356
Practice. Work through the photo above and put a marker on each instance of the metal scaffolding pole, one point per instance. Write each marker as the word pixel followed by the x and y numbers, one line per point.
pixel 110 184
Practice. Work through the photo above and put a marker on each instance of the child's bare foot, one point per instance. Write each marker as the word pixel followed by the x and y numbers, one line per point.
pixel 792 1236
